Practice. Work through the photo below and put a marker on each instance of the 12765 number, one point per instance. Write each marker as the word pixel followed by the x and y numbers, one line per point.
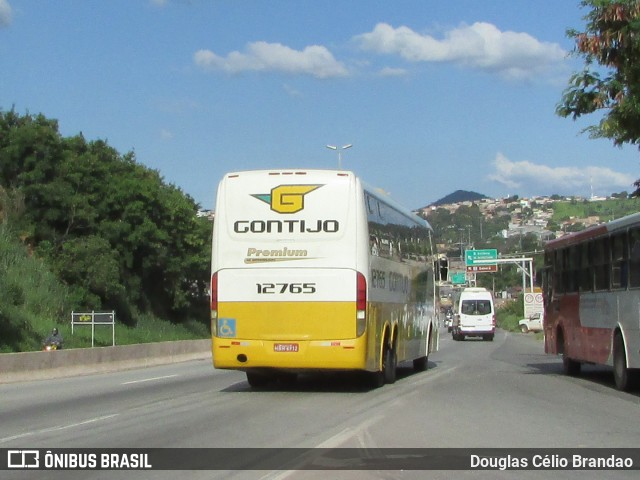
pixel 278 288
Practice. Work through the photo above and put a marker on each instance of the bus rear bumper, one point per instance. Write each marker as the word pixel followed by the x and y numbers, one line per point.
pixel 289 355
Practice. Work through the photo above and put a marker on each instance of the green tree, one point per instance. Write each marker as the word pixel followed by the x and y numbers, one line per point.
pixel 111 229
pixel 610 81
pixel 91 266
pixel 553 226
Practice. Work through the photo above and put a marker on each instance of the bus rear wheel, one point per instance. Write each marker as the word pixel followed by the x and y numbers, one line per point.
pixel 569 366
pixel 287 379
pixel 626 379
pixel 390 365
pixel 421 364
pixel 374 379
pixel 388 372
pixel 257 379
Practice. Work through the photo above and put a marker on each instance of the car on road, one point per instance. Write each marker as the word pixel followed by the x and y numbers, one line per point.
pixel 531 324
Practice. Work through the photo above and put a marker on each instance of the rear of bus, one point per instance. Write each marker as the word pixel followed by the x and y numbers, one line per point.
pixel 288 289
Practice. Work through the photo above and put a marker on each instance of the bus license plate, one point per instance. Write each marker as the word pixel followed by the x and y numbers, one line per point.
pixel 285 347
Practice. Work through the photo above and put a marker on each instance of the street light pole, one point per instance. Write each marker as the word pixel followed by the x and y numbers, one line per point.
pixel 339 150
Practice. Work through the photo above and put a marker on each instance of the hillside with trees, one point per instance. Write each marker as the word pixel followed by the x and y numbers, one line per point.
pixel 506 225
pixel 457 197
pixel 110 232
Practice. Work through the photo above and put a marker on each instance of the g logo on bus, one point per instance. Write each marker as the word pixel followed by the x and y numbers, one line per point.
pixel 286 198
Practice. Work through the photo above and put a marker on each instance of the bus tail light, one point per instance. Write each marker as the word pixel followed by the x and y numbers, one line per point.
pixel 214 303
pixel 361 304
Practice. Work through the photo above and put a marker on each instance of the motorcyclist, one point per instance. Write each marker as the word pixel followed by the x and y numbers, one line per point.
pixel 54 339
pixel 448 318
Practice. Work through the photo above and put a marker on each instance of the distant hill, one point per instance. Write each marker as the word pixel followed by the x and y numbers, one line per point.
pixel 457 197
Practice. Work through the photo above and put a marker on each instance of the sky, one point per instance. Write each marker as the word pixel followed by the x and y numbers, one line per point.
pixel 434 96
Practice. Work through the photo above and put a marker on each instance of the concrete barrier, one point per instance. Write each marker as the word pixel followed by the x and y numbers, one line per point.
pixel 16 367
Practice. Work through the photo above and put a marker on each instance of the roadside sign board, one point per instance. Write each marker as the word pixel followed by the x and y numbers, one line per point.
pixel 482 268
pixel 480 257
pixel 533 303
pixel 458 278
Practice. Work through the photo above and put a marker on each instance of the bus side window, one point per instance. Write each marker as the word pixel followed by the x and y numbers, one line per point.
pixel 602 264
pixel 375 245
pixel 586 275
pixel 547 291
pixel 558 286
pixel 369 207
pixel 634 258
pixel 573 270
pixel 619 261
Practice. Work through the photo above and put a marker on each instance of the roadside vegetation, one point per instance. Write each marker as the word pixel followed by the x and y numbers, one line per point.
pixel 33 301
pixel 86 228
pixel 607 210
pixel 508 316
pixel 31 296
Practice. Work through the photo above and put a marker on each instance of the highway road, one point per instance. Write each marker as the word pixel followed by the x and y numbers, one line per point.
pixel 475 394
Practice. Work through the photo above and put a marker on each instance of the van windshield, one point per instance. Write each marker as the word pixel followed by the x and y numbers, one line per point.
pixel 476 307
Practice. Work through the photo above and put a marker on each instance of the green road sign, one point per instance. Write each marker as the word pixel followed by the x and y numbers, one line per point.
pixel 458 278
pixel 480 257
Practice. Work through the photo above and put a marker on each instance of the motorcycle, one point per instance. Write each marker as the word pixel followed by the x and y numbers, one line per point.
pixel 51 346
pixel 448 320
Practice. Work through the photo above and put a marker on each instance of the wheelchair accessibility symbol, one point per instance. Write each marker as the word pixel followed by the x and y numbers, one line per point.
pixel 227 327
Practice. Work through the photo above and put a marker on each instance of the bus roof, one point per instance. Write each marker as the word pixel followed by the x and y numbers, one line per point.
pixel 619 224
pixel 288 172
pixel 375 192
pixel 383 197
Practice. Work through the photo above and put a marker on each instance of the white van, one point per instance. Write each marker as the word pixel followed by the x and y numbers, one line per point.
pixel 475 316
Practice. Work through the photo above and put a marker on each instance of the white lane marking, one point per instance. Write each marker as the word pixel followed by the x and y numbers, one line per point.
pixel 349 432
pixel 333 442
pixel 58 428
pixel 149 379
pixel 360 432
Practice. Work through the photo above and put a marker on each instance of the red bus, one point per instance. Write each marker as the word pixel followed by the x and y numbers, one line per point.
pixel 592 299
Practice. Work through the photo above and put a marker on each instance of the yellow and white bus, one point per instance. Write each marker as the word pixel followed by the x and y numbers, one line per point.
pixel 314 271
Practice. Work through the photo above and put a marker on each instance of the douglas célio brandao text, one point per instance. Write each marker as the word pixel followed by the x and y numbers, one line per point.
pixel 550 462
